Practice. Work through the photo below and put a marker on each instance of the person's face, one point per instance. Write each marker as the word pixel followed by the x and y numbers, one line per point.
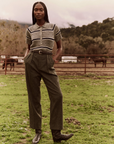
pixel 39 12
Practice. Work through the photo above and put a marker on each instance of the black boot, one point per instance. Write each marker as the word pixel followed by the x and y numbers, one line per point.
pixel 37 137
pixel 57 136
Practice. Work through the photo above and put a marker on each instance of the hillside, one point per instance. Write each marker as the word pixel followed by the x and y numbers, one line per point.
pixel 94 38
pixel 12 37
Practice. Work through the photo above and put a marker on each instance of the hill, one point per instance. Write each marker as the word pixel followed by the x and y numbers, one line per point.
pixel 12 37
pixel 94 38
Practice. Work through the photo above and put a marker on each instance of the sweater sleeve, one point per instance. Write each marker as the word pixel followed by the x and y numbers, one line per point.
pixel 28 37
pixel 57 34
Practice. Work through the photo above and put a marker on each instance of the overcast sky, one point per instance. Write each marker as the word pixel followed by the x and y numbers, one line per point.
pixel 61 12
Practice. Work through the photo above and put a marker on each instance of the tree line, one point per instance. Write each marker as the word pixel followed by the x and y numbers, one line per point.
pixel 94 38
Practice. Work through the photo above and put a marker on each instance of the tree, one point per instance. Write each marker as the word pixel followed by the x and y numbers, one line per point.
pixel 93 46
pixel 107 20
pixel 86 41
pixel 105 36
pixel 94 23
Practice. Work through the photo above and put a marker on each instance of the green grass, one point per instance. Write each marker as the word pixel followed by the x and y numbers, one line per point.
pixel 88 104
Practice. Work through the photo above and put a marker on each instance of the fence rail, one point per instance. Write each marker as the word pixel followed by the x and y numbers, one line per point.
pixel 85 64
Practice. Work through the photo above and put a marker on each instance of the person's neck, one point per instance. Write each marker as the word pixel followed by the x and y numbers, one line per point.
pixel 40 22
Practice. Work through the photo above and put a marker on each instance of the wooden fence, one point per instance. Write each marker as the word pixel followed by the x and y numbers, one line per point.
pixel 84 65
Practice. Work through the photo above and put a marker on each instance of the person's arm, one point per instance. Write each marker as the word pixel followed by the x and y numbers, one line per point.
pixel 59 50
pixel 27 51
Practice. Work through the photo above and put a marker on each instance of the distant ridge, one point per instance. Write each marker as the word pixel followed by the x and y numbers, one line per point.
pixel 24 24
pixel 21 23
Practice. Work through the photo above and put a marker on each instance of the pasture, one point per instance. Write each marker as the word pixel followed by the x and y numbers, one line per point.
pixel 88 110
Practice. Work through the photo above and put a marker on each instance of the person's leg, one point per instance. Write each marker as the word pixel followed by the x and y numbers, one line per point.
pixel 33 87
pixel 56 110
pixel 55 95
pixel 33 79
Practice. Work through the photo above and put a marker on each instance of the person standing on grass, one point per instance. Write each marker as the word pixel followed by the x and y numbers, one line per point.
pixel 39 62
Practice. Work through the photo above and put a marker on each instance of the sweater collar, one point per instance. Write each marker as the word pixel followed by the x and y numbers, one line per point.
pixel 43 26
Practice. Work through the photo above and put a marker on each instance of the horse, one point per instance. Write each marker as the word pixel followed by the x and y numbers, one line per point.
pixel 99 61
pixel 10 62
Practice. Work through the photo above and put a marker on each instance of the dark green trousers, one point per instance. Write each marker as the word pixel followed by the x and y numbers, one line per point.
pixel 39 67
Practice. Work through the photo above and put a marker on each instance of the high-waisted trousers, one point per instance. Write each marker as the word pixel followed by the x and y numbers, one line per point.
pixel 37 67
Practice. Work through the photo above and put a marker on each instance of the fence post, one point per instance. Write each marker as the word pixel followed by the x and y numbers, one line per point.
pixel 5 65
pixel 85 64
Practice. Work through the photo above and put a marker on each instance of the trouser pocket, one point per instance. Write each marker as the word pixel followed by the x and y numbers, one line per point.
pixel 26 58
pixel 50 61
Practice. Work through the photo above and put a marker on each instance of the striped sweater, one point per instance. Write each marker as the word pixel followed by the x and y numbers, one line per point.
pixel 42 38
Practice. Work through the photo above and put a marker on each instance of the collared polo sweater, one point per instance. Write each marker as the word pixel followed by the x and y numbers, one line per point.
pixel 42 37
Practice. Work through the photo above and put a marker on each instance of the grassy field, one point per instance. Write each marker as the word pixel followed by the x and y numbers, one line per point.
pixel 88 103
